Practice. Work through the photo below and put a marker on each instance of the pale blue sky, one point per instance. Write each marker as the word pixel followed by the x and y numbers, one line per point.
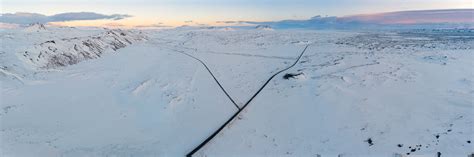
pixel 204 11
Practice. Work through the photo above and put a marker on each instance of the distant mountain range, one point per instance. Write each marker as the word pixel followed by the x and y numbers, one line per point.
pixel 24 18
pixel 457 18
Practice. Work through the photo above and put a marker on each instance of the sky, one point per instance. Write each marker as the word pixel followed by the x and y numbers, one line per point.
pixel 182 12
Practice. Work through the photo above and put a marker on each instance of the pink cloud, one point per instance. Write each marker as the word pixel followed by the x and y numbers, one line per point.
pixel 413 17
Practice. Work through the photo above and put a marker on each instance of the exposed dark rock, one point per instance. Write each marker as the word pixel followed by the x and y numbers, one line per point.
pixel 369 141
pixel 291 75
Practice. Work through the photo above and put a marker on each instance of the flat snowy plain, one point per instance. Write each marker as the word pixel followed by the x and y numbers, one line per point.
pixel 79 92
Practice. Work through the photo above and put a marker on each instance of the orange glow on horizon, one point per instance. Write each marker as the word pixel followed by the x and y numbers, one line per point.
pixel 137 22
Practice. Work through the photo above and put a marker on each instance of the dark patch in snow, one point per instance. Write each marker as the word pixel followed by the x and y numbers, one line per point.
pixel 370 142
pixel 438 154
pixel 51 41
pixel 290 75
pixel 412 149
pixel 9 108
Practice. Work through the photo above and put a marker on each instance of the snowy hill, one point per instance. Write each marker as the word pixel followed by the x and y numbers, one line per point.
pixel 35 27
pixel 26 50
pixel 263 27
pixel 68 51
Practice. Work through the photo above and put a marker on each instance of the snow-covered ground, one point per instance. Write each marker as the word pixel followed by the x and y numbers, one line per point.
pixel 100 92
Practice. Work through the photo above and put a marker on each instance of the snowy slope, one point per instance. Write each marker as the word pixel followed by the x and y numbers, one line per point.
pixel 341 101
pixel 147 101
pixel 39 48
pixel 390 85
pixel 353 93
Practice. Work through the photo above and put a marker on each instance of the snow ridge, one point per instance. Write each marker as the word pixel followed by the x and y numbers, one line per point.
pixel 69 51
pixel 35 27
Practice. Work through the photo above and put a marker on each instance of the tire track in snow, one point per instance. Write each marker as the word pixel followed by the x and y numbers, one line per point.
pixel 190 154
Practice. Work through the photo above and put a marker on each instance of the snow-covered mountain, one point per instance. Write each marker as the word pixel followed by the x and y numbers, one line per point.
pixel 35 27
pixel 68 51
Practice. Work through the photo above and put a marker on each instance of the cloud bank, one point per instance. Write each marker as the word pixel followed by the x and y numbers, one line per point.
pixel 28 18
pixel 416 17
pixel 402 19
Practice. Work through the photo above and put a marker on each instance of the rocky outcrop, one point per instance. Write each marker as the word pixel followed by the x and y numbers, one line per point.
pixel 68 51
pixel 263 27
pixel 35 27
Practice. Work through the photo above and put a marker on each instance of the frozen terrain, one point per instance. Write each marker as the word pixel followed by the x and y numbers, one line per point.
pixel 99 92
